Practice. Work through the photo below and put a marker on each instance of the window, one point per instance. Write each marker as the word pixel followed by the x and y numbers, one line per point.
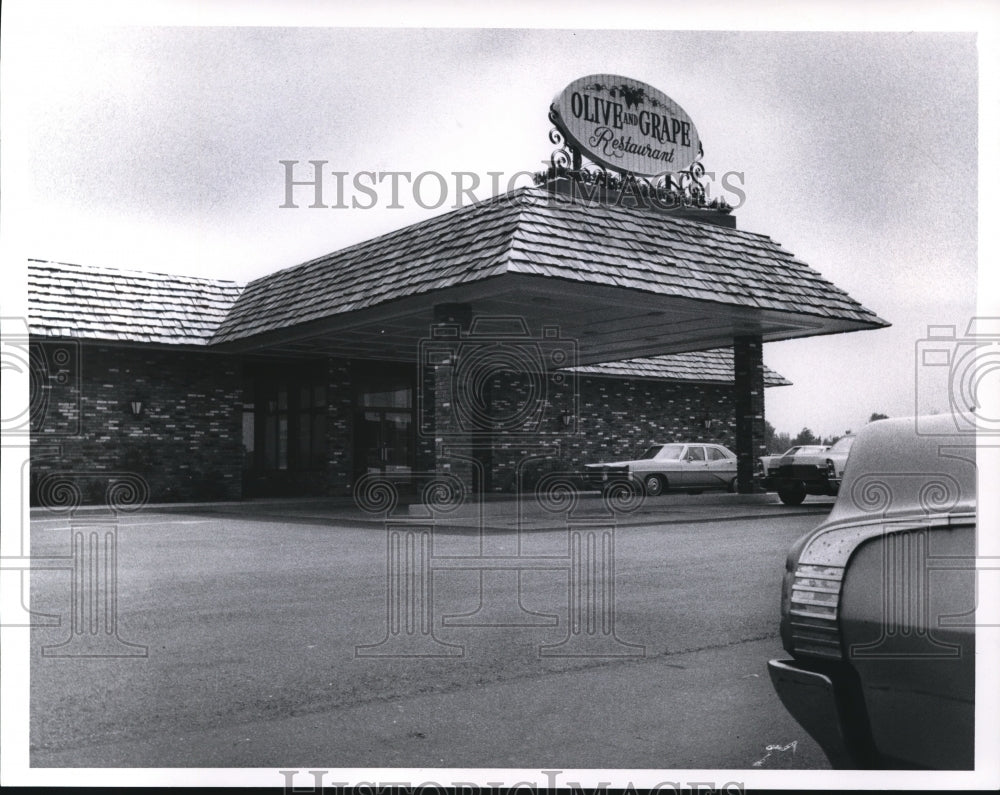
pixel 284 420
pixel 312 425
pixel 249 426
pixel 662 451
pixel 715 454
pixel 843 445
pixel 695 454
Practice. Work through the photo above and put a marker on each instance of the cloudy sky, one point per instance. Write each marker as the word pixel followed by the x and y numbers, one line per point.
pixel 158 147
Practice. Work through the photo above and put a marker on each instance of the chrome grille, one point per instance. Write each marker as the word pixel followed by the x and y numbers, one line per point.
pixel 802 471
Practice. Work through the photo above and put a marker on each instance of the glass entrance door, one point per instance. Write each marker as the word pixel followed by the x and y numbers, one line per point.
pixel 384 429
pixel 385 442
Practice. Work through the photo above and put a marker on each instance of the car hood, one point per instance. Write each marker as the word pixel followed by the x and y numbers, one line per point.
pixel 610 464
pixel 817 459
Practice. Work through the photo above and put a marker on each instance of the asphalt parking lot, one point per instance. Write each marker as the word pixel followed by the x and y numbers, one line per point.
pixel 263 627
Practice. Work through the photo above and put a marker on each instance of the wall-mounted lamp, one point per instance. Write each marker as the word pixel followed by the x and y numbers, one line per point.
pixel 136 406
pixel 707 423
pixel 567 419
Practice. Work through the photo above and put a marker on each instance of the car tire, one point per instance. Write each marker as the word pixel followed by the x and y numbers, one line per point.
pixel 655 485
pixel 792 495
pixel 733 486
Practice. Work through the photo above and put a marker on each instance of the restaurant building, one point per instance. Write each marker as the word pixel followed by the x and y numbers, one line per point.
pixel 536 331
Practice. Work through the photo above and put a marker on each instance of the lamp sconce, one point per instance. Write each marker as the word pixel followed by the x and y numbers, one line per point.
pixel 707 423
pixel 136 407
pixel 567 419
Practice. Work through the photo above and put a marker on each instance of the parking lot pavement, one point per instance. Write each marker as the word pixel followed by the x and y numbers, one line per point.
pixel 252 628
pixel 500 511
pixel 711 708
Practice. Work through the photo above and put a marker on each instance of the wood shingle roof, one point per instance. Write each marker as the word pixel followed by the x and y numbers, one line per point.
pixel 531 232
pixel 125 306
pixel 715 271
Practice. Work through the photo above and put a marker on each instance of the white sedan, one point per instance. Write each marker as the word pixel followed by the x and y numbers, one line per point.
pixel 691 467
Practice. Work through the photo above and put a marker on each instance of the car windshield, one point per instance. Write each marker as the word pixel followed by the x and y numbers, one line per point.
pixel 843 446
pixel 669 451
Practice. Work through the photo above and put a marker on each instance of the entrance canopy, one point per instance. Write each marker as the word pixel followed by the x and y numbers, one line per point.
pixel 623 282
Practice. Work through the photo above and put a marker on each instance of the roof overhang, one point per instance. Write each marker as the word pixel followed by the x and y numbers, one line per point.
pixel 608 323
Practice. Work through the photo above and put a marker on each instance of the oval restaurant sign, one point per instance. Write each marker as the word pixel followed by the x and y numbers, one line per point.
pixel 626 125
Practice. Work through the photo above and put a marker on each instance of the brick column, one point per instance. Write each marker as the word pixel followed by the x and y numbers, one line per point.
pixel 748 366
pixel 439 424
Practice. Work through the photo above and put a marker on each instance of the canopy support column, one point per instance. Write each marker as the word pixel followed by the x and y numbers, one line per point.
pixel 446 445
pixel 748 366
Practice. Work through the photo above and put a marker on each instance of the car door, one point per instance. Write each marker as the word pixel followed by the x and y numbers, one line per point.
pixel 695 466
pixel 721 468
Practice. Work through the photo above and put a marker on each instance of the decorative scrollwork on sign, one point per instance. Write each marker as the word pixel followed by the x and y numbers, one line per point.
pixel 564 155
pixel 690 180
pixel 666 191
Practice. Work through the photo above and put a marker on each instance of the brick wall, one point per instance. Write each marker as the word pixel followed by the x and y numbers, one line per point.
pixel 610 419
pixel 186 443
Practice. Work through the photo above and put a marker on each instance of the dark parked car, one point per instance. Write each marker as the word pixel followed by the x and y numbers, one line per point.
pixel 877 605
pixel 768 462
pixel 806 472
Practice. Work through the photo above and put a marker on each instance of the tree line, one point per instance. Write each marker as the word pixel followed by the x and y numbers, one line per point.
pixel 779 442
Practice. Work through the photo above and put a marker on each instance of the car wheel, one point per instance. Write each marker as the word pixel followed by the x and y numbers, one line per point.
pixel 733 486
pixel 655 485
pixel 792 495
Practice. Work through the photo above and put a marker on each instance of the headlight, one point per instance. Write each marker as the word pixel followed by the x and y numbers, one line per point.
pixel 831 469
